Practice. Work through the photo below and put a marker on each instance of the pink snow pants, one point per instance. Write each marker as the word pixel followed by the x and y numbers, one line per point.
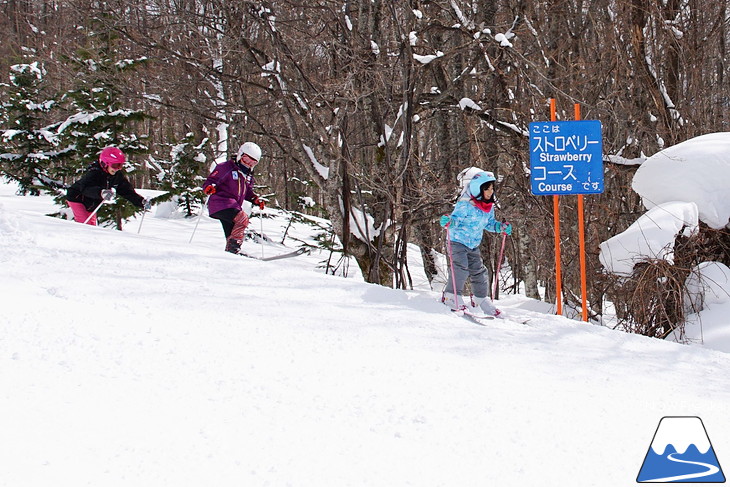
pixel 81 213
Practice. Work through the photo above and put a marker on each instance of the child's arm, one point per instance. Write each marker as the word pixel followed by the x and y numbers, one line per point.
pixel 126 190
pixel 460 210
pixel 492 225
pixel 214 178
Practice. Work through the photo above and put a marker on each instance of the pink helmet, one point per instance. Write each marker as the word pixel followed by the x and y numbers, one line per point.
pixel 111 156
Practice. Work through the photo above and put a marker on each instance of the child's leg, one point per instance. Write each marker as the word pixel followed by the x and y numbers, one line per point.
pixel 226 218
pixel 81 213
pixel 460 266
pixel 239 227
pixel 235 239
pixel 478 274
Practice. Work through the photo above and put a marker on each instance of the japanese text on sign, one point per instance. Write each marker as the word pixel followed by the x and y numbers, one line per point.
pixel 566 157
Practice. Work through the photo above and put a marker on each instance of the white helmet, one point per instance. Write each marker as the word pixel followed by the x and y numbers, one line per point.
pixel 251 149
pixel 466 176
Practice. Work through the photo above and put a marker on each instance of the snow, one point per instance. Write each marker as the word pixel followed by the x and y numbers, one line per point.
pixel 697 170
pixel 427 58
pixel 413 38
pixel 650 237
pixel 465 103
pixel 503 40
pixel 33 68
pixel 362 225
pixel 142 359
pixel 374 47
pixel 323 171
pixel 708 303
pixel 681 186
pixel 636 161
pixel 80 118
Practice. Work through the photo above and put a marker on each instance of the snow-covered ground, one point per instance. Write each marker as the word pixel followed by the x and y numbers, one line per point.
pixel 136 359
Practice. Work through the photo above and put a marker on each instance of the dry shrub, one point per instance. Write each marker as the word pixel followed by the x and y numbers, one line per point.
pixel 654 301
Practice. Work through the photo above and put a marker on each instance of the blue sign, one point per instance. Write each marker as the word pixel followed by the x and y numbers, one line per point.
pixel 566 157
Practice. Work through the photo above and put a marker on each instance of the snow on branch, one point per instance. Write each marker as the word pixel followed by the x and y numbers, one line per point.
pixel 321 170
pixel 428 58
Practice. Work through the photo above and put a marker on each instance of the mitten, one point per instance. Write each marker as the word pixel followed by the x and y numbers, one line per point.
pixel 107 194
pixel 209 189
pixel 444 220
pixel 146 204
pixel 258 202
pixel 507 228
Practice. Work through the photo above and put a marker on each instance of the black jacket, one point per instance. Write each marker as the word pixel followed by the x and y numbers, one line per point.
pixel 87 190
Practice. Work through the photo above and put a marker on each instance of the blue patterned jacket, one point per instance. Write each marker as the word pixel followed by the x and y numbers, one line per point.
pixel 468 222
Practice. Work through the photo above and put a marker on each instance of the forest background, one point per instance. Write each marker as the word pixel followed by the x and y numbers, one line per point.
pixel 367 110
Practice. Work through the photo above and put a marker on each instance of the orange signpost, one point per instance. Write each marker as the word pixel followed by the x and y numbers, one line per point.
pixel 556 224
pixel 582 245
pixel 588 185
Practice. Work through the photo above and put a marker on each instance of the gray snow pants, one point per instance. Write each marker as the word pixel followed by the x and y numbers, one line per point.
pixel 467 263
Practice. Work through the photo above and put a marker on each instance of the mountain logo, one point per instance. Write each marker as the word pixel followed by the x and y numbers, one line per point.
pixel 681 452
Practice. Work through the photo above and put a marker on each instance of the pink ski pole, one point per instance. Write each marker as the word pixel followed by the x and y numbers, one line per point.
pixel 499 266
pixel 451 263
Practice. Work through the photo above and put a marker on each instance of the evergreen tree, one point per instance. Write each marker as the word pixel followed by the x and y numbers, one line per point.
pixel 182 175
pixel 27 145
pixel 100 118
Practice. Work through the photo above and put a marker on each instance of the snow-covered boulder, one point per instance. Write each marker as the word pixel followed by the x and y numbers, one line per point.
pixel 697 170
pixel 650 237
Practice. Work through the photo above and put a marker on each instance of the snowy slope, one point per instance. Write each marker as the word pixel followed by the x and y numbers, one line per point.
pixel 141 359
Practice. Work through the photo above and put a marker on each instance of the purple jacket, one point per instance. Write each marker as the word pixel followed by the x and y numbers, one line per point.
pixel 233 184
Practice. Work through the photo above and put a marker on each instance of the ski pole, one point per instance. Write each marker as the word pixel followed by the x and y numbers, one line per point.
pixel 144 212
pixel 91 215
pixel 202 208
pixel 499 266
pixel 261 218
pixel 451 263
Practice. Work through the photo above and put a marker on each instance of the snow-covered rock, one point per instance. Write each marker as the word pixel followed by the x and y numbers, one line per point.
pixel 650 237
pixel 697 170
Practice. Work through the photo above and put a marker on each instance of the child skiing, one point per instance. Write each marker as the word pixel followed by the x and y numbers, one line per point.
pixel 229 185
pixel 101 182
pixel 473 213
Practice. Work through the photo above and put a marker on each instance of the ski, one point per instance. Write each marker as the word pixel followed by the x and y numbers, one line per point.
pixel 474 318
pixel 287 255
pixel 483 320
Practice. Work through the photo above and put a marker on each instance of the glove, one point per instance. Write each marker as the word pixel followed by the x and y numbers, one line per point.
pixel 258 202
pixel 146 204
pixel 209 189
pixel 444 220
pixel 507 228
pixel 108 194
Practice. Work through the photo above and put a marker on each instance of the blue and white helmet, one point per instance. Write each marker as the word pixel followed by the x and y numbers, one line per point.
pixel 480 178
pixel 465 176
